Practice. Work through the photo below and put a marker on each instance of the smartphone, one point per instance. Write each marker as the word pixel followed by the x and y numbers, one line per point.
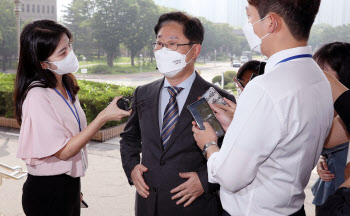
pixel 239 84
pixel 201 112
pixel 83 204
pixel 212 96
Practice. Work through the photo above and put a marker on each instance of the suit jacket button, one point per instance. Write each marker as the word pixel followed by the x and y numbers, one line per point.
pixel 162 163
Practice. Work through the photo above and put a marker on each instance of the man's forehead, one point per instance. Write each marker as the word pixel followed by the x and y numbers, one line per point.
pixel 170 37
pixel 170 31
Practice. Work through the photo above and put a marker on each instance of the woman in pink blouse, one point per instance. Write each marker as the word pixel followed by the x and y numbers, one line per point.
pixel 54 131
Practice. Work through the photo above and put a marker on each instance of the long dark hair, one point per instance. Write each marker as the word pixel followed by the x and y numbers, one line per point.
pixel 38 41
pixel 337 56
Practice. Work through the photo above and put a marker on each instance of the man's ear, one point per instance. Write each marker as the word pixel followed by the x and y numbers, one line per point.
pixel 274 22
pixel 197 50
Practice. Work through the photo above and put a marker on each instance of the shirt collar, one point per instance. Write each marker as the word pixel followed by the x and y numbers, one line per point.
pixel 279 56
pixel 185 84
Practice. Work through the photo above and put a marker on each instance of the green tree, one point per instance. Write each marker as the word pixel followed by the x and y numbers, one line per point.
pixel 78 19
pixel 226 40
pixel 140 32
pixel 8 31
pixel 322 33
pixel 220 37
pixel 218 79
pixel 109 25
pixel 209 38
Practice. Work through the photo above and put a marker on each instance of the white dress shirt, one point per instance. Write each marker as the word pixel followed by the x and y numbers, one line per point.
pixel 181 98
pixel 282 120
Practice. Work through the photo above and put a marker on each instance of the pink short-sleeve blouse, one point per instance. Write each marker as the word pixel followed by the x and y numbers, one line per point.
pixel 47 126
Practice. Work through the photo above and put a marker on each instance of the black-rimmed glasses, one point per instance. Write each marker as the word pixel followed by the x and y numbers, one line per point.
pixel 172 45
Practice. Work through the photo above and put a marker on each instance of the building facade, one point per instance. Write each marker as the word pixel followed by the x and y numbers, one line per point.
pixel 38 9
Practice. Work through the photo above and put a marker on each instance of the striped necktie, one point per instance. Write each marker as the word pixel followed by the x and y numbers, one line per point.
pixel 171 114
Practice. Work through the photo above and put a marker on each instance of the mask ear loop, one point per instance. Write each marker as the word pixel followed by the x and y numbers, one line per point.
pixel 49 65
pixel 260 19
pixel 271 32
pixel 187 54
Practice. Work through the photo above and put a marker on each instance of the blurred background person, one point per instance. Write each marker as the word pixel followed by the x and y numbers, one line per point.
pixel 338 204
pixel 244 75
pixel 333 58
pixel 245 72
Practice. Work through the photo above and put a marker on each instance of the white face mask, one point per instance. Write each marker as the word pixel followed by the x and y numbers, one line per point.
pixel 69 64
pixel 253 39
pixel 170 62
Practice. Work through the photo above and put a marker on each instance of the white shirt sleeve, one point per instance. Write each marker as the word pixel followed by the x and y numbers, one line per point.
pixel 252 136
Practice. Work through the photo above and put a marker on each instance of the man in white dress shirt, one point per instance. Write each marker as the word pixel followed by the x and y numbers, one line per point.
pixel 282 119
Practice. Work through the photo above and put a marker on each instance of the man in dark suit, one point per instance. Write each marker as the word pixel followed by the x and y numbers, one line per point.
pixel 172 178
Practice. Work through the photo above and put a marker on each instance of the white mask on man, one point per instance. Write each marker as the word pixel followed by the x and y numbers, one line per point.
pixel 253 39
pixel 69 64
pixel 170 62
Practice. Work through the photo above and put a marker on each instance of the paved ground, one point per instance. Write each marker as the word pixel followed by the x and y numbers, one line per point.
pixel 105 187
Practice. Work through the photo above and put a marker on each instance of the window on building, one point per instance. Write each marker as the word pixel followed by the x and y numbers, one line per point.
pixel 52 9
pixel 43 9
pixel 38 8
pixel 33 9
pixel 48 9
pixel 28 8
pixel 23 8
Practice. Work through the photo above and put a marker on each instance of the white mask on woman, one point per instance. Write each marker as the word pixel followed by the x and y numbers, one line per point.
pixel 69 64
pixel 170 62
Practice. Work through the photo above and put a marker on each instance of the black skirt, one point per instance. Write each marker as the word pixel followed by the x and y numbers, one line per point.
pixel 51 196
pixel 337 204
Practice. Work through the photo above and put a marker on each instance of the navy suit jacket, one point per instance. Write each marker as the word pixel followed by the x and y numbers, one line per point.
pixel 142 135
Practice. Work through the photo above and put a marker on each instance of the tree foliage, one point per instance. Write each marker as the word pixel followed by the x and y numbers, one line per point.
pixel 8 30
pixel 140 32
pixel 110 23
pixel 321 34
pixel 221 37
pixel 78 20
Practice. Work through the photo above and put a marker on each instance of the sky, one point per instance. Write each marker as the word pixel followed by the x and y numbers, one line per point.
pixel 60 4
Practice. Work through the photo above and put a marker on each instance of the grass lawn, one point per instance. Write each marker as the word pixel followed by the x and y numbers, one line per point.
pixel 118 69
pixel 122 65
pixel 103 61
